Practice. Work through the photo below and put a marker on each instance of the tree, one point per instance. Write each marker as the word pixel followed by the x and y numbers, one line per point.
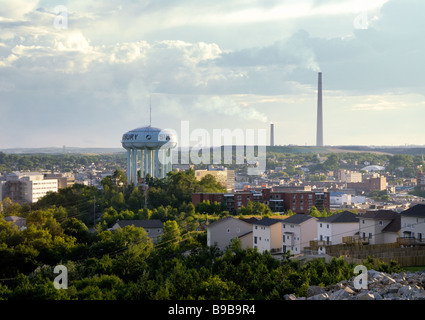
pixel 171 235
pixel 255 208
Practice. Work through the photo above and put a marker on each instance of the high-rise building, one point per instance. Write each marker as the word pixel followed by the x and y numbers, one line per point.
pixel 319 134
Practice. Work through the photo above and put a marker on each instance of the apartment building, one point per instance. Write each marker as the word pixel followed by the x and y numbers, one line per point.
pixel 27 187
pixel 278 201
pixel 349 176
pixel 375 183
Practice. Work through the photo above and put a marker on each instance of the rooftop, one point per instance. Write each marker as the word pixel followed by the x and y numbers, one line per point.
pixel 415 211
pixel 341 217
pixel 268 221
pixel 380 215
pixel 297 218
pixel 154 223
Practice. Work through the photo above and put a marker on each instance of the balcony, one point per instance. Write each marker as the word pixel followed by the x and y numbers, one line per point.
pixel 355 240
pixel 276 250
pixel 315 244
pixel 410 241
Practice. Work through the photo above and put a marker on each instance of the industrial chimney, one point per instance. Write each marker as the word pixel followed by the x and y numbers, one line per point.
pixel 319 135
pixel 271 134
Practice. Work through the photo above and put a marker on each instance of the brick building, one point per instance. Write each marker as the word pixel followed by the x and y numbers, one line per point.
pixel 369 184
pixel 278 201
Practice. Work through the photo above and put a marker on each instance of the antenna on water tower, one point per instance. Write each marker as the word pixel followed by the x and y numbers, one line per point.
pixel 150 111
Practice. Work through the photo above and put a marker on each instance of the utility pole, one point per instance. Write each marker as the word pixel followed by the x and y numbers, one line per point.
pixel 94 211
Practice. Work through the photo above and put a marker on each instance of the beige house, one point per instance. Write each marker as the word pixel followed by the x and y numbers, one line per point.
pixel 267 235
pixel 298 230
pixel 221 232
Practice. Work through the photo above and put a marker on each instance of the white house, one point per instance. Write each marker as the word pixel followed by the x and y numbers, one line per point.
pixel 267 235
pixel 331 229
pixel 297 231
pixel 413 224
pixel 379 227
pixel 221 232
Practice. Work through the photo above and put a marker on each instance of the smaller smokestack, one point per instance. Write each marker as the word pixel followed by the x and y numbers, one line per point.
pixel 271 134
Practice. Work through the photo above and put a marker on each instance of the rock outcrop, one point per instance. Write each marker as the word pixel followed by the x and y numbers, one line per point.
pixel 380 286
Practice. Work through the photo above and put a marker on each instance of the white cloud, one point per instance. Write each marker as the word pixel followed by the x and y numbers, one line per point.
pixel 113 57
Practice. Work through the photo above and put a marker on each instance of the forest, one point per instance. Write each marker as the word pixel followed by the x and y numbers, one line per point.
pixel 70 228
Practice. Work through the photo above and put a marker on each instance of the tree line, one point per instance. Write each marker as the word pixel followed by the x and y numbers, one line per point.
pixel 71 228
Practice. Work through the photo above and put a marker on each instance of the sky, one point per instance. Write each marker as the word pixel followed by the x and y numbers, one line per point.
pixel 82 73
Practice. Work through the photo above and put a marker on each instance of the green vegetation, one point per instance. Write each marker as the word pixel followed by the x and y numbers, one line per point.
pixel 70 228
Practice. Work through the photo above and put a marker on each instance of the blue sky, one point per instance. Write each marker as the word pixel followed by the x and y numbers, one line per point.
pixel 218 64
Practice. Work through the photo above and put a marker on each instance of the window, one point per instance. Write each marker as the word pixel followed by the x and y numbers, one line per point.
pixel 380 223
pixel 320 225
pixel 370 235
pixel 283 225
pixel 362 221
pixel 327 226
pixel 228 230
pixel 255 240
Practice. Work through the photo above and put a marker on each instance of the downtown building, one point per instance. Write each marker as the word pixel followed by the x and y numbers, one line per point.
pixel 278 201
pixel 26 187
pixel 223 176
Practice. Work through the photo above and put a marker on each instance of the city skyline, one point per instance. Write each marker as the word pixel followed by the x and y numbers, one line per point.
pixel 79 73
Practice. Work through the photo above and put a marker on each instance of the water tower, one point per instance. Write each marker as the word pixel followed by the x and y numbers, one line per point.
pixel 153 146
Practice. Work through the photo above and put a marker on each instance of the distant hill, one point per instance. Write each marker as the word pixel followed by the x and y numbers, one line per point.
pixel 55 150
pixel 412 150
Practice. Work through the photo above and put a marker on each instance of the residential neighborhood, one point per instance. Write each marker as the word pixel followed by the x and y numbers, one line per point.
pixel 302 234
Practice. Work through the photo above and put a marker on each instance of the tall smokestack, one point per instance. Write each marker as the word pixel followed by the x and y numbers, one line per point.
pixel 271 134
pixel 319 135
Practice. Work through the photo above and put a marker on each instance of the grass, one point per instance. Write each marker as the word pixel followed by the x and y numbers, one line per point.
pixel 413 268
